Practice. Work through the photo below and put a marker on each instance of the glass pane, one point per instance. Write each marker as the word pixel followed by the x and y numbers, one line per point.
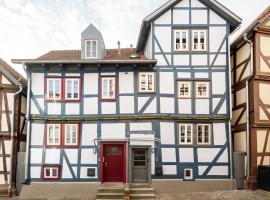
pixel 54 172
pixel 150 82
pixel 50 83
pixel 105 88
pixel 57 89
pixel 139 163
pixel 57 134
pixel 76 89
pixel 47 172
pixel 187 173
pixel 94 48
pixel 88 49
pixel 69 90
pixel 111 88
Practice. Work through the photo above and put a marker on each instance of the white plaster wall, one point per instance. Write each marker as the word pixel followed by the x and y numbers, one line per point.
pixel 217 34
pixel 169 169
pixel 90 83
pixel 72 108
pixel 216 19
pixel 164 19
pixel 181 4
pixel 140 126
pixel 152 108
pixel 168 155
pixel 168 78
pixel 5 80
pixel 90 106
pixel 166 105
pixel 184 106
pixel 202 169
pixel 186 155
pixel 219 133
pixel 4 122
pixel 54 74
pixel 240 141
pixel 161 60
pixel 223 157
pixel 220 60
pixel 126 104
pixel 201 75
pixel 207 154
pixel 7 146
pixel 142 139
pixel 72 74
pixel 54 109
pixel 65 170
pixel 218 82
pixel 83 173
pixel 88 156
pixel 163 35
pixel 181 16
pixel 72 155
pixel 126 82
pixel 199 16
pixel 35 172
pixel 148 47
pixel 197 4
pixel 167 133
pixel 37 83
pixel 141 102
pixel 89 133
pixel 202 106
pixel 37 134
pixel 113 130
pixel 108 107
pixel 199 59
pixel 34 109
pixel 181 60
pixel 183 75
pixel 52 156
pixel 36 155
pixel 219 170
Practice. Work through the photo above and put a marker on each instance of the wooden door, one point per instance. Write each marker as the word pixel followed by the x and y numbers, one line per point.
pixel 113 164
pixel 140 165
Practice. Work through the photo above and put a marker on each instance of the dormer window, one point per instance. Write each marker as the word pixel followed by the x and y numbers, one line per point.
pixel 91 48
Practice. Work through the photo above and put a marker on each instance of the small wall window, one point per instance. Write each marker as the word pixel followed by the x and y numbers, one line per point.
pixel 72 89
pixel 184 89
pixel 108 86
pixel 91 48
pixel 71 137
pixel 53 134
pixel 181 40
pixel 54 88
pixel 51 172
pixel 188 174
pixel 202 89
pixel 146 82
pixel 203 134
pixel 199 40
pixel 185 134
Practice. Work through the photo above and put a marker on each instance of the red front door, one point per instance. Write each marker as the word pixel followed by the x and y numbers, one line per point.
pixel 113 162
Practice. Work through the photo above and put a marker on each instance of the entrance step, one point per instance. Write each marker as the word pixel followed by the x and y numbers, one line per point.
pixel 142 191
pixel 110 196
pixel 142 196
pixel 110 191
pixel 3 190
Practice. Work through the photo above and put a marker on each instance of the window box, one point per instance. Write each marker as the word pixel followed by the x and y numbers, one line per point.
pixel 146 82
pixel 108 88
pixel 91 47
pixel 185 132
pixel 51 172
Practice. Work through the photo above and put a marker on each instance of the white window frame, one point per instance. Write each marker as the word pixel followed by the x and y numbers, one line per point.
pixel 71 126
pixel 181 40
pixel 188 95
pixel 191 174
pixel 48 135
pixel 200 31
pixel 207 89
pixel 107 96
pixel 51 172
pixel 91 48
pixel 54 91
pixel 147 74
pixel 203 134
pixel 185 134
pixel 72 88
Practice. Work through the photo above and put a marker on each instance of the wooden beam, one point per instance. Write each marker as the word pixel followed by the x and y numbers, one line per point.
pixel 7 108
pixel 264 147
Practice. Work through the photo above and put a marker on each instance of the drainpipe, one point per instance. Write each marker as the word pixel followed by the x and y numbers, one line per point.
pixel 247 103
pixel 12 141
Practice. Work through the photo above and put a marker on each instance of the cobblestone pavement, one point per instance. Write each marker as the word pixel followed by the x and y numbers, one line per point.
pixel 224 195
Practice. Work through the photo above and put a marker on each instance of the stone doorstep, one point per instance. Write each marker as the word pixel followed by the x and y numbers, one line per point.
pixel 142 196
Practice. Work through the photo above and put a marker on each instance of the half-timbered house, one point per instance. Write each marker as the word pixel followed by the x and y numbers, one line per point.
pixel 12 125
pixel 250 61
pixel 160 111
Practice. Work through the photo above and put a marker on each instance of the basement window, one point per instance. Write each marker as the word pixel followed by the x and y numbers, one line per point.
pixel 188 174
pixel 90 48
pixel 51 172
pixel 146 82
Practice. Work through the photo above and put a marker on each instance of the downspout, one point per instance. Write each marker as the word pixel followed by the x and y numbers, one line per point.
pixel 12 141
pixel 28 127
pixel 247 103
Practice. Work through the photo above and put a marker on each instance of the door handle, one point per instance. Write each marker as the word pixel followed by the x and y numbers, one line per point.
pixel 106 164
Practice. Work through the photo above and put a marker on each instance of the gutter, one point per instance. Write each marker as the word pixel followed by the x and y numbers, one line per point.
pixel 11 183
pixel 247 103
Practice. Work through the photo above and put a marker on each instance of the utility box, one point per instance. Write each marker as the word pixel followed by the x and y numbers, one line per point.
pixel 239 169
pixel 264 177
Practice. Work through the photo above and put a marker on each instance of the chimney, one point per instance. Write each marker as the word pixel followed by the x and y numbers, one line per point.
pixel 131 47
pixel 119 49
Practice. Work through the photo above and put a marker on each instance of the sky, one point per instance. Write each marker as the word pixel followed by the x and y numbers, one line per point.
pixel 30 28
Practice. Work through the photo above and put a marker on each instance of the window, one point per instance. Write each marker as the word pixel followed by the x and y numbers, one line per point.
pixel 108 88
pixel 181 40
pixel 199 40
pixel 202 89
pixel 54 88
pixel 203 134
pixel 188 174
pixel 72 89
pixel 185 134
pixel 51 172
pixel 53 134
pixel 146 82
pixel 71 137
pixel 91 48
pixel 184 89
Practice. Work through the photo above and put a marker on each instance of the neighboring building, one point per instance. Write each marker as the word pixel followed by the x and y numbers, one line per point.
pixel 12 117
pixel 99 115
pixel 251 78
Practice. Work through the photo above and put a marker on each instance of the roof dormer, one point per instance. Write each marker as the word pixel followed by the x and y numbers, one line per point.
pixel 92 44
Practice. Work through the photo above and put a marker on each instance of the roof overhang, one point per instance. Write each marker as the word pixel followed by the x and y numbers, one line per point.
pixel 33 61
pixel 232 18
